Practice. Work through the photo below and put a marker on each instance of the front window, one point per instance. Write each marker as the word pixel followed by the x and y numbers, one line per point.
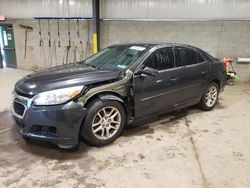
pixel 116 57
pixel 161 59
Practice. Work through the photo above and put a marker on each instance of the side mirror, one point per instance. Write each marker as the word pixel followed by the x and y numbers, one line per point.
pixel 147 71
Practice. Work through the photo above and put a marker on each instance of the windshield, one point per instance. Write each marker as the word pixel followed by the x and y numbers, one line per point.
pixel 116 57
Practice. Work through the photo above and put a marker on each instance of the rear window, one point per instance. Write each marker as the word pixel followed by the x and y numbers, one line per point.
pixel 208 56
pixel 200 58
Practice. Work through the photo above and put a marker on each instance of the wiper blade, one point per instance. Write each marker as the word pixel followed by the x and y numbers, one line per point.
pixel 93 66
pixel 80 62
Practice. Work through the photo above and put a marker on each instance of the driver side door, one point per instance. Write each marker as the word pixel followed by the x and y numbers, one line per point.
pixel 153 93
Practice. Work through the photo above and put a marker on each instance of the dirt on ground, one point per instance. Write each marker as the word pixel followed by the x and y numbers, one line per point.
pixel 188 148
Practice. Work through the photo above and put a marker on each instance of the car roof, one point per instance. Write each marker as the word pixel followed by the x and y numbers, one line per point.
pixel 151 45
pixel 147 45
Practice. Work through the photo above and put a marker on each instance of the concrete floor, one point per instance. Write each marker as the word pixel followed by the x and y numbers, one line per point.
pixel 190 148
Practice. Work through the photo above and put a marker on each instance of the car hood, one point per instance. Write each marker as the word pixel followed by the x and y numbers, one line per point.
pixel 63 76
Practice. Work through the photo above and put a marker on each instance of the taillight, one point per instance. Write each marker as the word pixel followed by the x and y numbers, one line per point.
pixel 226 62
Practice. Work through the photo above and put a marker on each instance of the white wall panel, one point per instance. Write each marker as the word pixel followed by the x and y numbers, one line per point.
pixel 175 9
pixel 129 9
pixel 27 9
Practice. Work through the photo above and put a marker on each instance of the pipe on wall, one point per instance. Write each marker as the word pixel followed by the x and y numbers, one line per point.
pixel 96 25
pixel 170 20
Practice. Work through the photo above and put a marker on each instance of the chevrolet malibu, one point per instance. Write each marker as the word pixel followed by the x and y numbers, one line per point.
pixel 121 84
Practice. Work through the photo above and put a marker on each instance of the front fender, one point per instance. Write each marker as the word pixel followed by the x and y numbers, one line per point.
pixel 108 97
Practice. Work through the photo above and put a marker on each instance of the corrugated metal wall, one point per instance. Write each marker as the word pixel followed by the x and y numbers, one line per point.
pixel 129 9
pixel 175 9
pixel 27 9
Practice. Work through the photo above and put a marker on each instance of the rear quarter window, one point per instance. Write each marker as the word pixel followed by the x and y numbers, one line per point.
pixel 200 58
pixel 187 56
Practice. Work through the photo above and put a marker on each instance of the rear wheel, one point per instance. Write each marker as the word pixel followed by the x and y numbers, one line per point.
pixel 230 81
pixel 209 97
pixel 104 122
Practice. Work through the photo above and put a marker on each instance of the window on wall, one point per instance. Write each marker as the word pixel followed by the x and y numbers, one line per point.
pixel 5 40
pixel 161 59
pixel 187 56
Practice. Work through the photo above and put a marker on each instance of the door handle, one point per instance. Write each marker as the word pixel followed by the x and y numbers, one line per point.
pixel 6 48
pixel 204 72
pixel 173 79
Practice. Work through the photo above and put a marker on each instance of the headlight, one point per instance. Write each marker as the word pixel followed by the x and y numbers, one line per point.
pixel 57 96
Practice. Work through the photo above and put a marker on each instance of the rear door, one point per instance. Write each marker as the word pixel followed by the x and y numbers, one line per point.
pixel 194 72
pixel 155 93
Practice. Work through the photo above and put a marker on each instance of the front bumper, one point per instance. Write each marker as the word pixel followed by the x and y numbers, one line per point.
pixel 58 124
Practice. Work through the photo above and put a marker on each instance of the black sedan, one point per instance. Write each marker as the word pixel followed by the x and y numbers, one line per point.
pixel 96 98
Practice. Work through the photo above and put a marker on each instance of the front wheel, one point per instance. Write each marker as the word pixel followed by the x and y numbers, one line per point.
pixel 209 97
pixel 104 122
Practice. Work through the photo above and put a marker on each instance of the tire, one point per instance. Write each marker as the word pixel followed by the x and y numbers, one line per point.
pixel 230 81
pixel 209 97
pixel 96 125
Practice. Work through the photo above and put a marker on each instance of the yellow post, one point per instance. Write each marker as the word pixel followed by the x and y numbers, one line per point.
pixel 94 43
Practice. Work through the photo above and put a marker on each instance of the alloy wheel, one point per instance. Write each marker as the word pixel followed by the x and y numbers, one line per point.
pixel 106 123
pixel 211 96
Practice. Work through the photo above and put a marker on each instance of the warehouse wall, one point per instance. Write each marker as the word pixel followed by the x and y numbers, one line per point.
pixel 28 9
pixel 175 9
pixel 219 38
pixel 39 57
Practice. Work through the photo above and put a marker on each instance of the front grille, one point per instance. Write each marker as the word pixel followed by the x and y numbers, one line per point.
pixel 24 94
pixel 44 130
pixel 19 108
